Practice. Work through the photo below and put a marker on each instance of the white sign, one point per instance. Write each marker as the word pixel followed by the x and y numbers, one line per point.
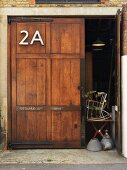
pixel 36 37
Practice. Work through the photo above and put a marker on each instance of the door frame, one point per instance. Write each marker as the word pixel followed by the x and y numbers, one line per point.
pixel 9 94
pixel 118 112
pixel 9 118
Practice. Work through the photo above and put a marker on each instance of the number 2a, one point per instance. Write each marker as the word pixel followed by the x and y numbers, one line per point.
pixel 36 37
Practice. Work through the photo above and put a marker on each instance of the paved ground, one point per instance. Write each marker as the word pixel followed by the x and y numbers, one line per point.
pixel 60 156
pixel 63 167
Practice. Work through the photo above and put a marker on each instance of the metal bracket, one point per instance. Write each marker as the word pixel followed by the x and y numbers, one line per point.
pixel 13 145
pixel 30 19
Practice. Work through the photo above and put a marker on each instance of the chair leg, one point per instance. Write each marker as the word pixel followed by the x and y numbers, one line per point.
pixel 98 131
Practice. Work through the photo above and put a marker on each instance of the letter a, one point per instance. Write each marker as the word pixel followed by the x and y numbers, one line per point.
pixel 37 37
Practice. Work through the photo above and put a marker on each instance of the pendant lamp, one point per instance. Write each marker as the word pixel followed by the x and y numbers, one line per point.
pixel 98 43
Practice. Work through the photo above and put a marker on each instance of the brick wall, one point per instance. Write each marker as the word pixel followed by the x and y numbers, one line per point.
pixel 31 3
pixel 124 30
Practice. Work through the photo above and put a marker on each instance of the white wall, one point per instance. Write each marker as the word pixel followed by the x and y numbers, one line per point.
pixel 124 104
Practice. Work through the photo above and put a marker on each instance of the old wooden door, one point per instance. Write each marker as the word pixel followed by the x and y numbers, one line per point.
pixel 45 80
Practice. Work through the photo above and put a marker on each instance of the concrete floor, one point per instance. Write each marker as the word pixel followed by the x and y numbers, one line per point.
pixel 60 156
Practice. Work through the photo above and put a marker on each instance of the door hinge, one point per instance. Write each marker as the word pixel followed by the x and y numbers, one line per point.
pixel 116 108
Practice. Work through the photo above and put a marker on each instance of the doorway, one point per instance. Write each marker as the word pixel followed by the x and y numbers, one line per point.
pixel 47 74
pixel 100 68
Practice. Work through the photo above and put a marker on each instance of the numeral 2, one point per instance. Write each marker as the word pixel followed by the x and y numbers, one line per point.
pixel 22 42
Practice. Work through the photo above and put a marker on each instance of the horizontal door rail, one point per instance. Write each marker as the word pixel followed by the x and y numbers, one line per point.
pixel 24 19
pixel 30 143
pixel 47 108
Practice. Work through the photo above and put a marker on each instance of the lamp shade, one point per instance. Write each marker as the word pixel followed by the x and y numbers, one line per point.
pixel 94 145
pixel 98 43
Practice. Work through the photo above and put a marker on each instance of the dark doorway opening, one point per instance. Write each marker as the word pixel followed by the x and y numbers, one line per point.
pixel 100 66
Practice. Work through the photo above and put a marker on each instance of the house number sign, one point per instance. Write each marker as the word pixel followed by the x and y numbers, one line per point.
pixel 36 37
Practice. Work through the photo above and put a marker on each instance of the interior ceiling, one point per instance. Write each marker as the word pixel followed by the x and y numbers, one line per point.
pixel 99 28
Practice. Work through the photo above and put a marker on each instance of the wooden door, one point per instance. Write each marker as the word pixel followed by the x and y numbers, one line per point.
pixel 45 76
pixel 118 127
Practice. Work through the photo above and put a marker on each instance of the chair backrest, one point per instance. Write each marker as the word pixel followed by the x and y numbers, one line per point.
pixel 95 103
pixel 101 97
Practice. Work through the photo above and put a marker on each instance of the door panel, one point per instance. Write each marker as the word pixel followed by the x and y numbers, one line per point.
pixel 21 81
pixel 21 128
pixel 65 82
pixel 31 81
pixel 41 82
pixel 31 28
pixel 66 127
pixel 75 82
pixel 65 38
pixel 45 80
pixel 31 86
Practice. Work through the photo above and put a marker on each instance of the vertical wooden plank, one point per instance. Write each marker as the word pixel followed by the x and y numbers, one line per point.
pixel 56 126
pixel 31 126
pixel 48 81
pixel 75 81
pixel 76 134
pixel 55 38
pixel 41 132
pixel 66 126
pixel 66 38
pixel 65 72
pixel 76 42
pixel 49 98
pixel 21 81
pixel 13 67
pixel 41 82
pixel 21 127
pixel 21 116
pixel 56 116
pixel 41 117
pixel 48 37
pixel 31 89
pixel 70 38
pixel 31 97
pixel 55 82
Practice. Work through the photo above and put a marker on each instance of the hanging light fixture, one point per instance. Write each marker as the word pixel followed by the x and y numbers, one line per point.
pixel 98 43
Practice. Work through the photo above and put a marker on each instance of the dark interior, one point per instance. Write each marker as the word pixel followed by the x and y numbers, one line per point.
pixel 100 64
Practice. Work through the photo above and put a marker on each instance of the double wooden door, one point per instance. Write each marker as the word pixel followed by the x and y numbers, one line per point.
pixel 45 80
